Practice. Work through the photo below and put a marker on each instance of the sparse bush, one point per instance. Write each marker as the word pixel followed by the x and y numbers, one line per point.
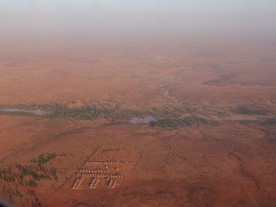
pixel 31 183
pixel 7 175
pixel 42 159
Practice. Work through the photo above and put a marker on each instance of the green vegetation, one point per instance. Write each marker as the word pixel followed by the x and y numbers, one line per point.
pixel 88 112
pixel 92 112
pixel 15 179
pixel 249 122
pixel 42 159
pixel 271 121
pixel 30 183
pixel 182 122
pixel 267 122
pixel 37 173
pixel 250 110
pixel 84 112
pixel 28 175
pixel 6 175
pixel 168 116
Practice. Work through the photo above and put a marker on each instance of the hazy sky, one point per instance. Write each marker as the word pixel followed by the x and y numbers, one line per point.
pixel 160 18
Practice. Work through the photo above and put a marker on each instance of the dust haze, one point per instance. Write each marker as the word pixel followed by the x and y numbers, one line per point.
pixel 138 103
pixel 182 19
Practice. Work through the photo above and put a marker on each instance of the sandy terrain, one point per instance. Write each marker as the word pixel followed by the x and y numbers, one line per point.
pixel 227 161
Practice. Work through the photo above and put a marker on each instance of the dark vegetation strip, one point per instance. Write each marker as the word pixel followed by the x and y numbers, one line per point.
pixel 87 112
pixel 271 121
pixel 251 110
pixel 183 122
pixel 42 159
pixel 265 122
pixel 113 113
pixel 167 116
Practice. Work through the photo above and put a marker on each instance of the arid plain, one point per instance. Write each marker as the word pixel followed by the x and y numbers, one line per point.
pixel 212 141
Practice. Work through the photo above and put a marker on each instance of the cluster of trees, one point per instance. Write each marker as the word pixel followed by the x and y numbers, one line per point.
pixel 36 173
pixel 6 175
pixel 85 112
pixel 28 175
pixel 42 159
pixel 169 117
pixel 92 112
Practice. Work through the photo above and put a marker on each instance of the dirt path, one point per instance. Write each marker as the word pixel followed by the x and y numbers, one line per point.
pixel 167 87
pixel 76 128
